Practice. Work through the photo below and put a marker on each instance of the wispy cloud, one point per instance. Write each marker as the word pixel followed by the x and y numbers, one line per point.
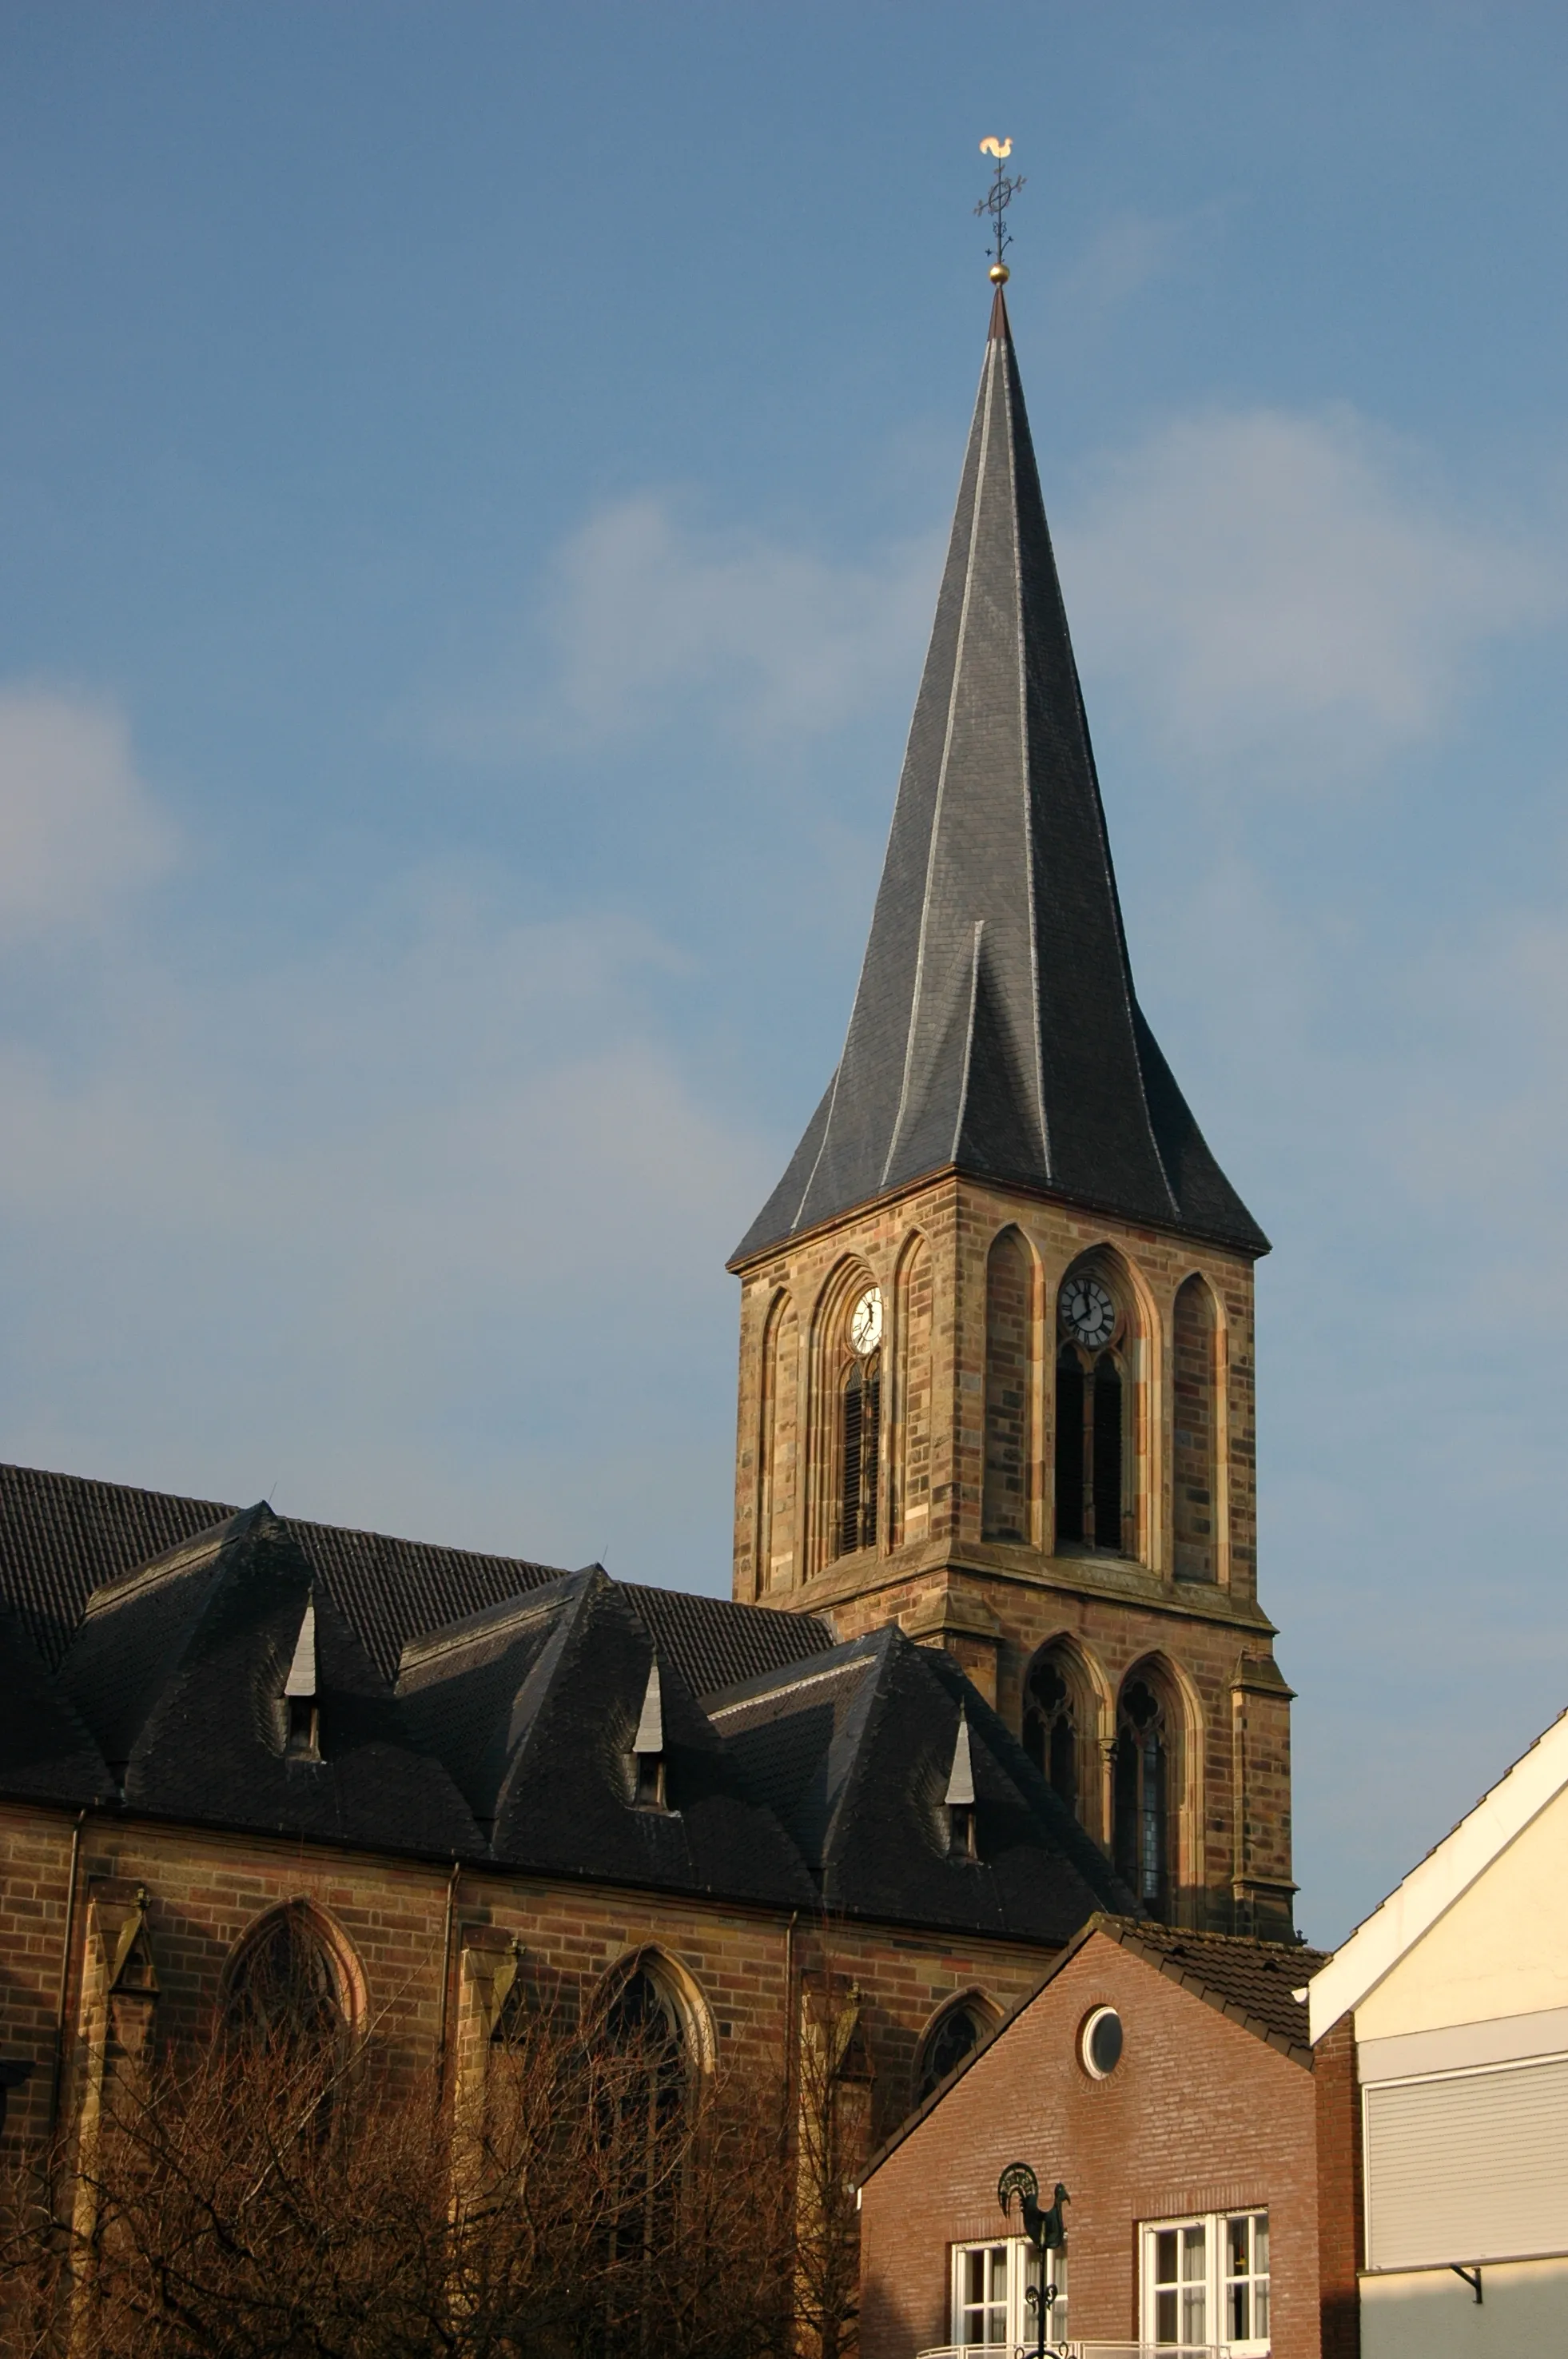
pixel 648 615
pixel 1286 588
pixel 402 1224
pixel 78 828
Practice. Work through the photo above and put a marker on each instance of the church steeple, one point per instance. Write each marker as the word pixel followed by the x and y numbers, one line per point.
pixel 995 1028
pixel 996 1368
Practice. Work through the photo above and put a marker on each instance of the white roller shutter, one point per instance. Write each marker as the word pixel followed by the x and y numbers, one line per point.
pixel 1472 2166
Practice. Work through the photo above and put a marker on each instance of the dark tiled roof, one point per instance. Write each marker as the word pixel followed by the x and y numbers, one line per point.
pixel 714 1644
pixel 1251 1982
pixel 62 1535
pixel 853 1752
pixel 45 1748
pixel 393 1589
pixel 995 1025
pixel 179 1670
pixel 799 1774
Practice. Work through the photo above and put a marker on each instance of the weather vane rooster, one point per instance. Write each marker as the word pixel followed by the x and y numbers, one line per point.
pixel 996 201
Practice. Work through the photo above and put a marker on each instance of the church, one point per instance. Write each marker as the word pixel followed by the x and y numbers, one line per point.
pixel 994 1661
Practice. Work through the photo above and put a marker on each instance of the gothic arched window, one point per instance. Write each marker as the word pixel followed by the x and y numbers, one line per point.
pixel 955 2035
pixel 643 2108
pixel 1005 1502
pixel 286 1995
pixel 860 1448
pixel 1141 1845
pixel 780 1410
pixel 1051 1715
pixel 1195 1338
pixel 1095 1506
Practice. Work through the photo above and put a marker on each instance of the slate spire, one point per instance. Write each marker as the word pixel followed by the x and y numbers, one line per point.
pixel 995 1027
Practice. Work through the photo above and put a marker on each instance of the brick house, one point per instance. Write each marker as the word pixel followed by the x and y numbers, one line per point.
pixel 1165 2077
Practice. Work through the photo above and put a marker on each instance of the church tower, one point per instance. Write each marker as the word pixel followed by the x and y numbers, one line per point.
pixel 996 1320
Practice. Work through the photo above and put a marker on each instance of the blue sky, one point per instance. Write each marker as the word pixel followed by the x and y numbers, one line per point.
pixel 471 480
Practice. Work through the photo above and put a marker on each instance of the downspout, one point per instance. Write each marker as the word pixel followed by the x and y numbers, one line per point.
pixel 792 2026
pixel 65 1972
pixel 446 1979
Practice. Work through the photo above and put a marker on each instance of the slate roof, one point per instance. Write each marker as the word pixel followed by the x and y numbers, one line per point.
pixel 852 1751
pixel 1250 1981
pixel 996 1027
pixel 799 1774
pixel 61 1535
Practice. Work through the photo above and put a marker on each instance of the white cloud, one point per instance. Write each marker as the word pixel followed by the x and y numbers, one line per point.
pixel 403 1230
pixel 647 615
pixel 78 828
pixel 1281 587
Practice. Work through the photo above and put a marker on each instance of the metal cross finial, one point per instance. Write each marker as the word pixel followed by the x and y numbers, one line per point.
pixel 996 201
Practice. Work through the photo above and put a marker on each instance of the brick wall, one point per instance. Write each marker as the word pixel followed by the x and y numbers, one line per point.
pixel 205 1888
pixel 1200 2116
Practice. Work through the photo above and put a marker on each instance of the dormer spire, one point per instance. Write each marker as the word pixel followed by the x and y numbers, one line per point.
pixel 995 1028
pixel 648 1745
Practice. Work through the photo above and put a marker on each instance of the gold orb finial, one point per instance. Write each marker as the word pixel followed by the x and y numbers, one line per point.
pixel 999 273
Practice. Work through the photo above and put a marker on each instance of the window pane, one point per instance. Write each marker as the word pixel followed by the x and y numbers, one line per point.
pixel 1238 2241
pixel 1261 2244
pixel 1165 2256
pixel 974 2276
pixel 1165 2316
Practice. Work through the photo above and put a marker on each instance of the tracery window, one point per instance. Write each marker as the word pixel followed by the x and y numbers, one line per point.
pixel 955 2035
pixel 1141 1845
pixel 1051 1724
pixel 643 2110
pixel 287 2014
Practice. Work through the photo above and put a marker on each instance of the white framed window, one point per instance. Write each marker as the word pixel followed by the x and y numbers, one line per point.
pixel 1206 2281
pixel 991 2288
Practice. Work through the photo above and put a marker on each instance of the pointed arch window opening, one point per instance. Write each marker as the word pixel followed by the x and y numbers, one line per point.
pixel 1051 1730
pixel 1141 1846
pixel 860 1454
pixel 285 2000
pixel 643 2114
pixel 953 2037
pixel 1093 1398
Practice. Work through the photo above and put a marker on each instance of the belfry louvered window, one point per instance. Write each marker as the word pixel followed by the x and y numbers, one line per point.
pixel 860 1447
pixel 1089 1471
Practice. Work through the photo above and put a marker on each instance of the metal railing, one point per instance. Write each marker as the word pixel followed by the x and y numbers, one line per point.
pixel 1071 2350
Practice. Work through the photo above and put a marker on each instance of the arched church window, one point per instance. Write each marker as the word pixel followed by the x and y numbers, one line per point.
pixel 859 1426
pixel 1093 1508
pixel 1196 1337
pixel 285 1996
pixel 643 2109
pixel 779 1411
pixel 1009 1445
pixel 1141 1845
pixel 955 2035
pixel 1051 1724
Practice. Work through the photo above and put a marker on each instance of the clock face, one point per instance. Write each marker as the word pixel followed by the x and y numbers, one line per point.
pixel 1087 1311
pixel 866 1322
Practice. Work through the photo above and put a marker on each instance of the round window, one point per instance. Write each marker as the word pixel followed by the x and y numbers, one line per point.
pixel 1099 2042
